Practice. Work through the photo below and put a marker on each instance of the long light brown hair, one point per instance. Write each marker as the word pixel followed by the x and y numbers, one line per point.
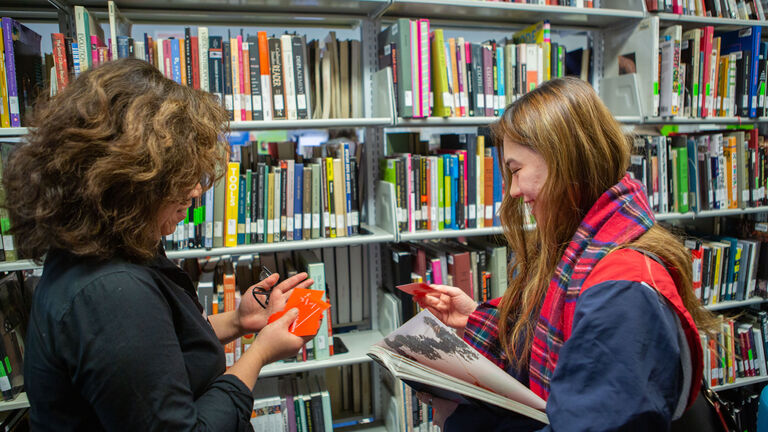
pixel 104 155
pixel 586 153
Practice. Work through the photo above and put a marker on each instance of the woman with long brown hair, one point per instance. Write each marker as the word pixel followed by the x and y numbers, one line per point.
pixel 117 339
pixel 599 318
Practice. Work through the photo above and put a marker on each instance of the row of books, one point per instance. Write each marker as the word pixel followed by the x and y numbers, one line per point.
pixel 478 267
pixel 433 76
pixel 314 401
pixel 735 9
pixel 456 186
pixel 702 171
pixel 744 403
pixel 15 301
pixel 708 75
pixel 277 197
pixel 737 350
pixel 728 269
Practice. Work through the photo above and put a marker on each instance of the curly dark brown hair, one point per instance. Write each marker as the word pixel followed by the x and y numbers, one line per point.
pixel 104 155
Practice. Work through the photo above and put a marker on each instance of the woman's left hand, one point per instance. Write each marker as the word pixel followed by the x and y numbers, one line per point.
pixel 251 316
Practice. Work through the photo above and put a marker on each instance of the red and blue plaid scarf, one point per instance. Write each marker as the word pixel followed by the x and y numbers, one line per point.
pixel 619 216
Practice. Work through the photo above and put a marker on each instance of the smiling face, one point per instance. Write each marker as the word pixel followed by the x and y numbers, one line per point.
pixel 528 173
pixel 174 212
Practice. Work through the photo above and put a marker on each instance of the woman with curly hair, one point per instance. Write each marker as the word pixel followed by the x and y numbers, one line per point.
pixel 117 339
pixel 599 318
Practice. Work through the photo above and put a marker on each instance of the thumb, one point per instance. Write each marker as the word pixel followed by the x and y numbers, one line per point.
pixel 288 318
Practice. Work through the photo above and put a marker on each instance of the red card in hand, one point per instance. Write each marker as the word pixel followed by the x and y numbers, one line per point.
pixel 417 288
pixel 311 307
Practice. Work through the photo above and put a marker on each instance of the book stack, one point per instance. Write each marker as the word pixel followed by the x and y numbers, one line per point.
pixel 257 77
pixel 702 171
pixel 279 196
pixel 741 9
pixel 435 76
pixel 457 186
pixel 15 302
pixel 479 267
pixel 737 350
pixel 728 269
pixel 705 74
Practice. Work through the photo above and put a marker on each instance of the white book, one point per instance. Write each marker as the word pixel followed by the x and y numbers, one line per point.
pixel 139 50
pixel 429 357
pixel 119 25
pixel 289 188
pixel 202 48
pixel 289 81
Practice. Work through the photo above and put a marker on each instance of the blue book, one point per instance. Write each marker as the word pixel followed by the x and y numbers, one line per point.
pixel 176 60
pixel 730 278
pixel 208 233
pixel 298 200
pixel 241 210
pixel 454 190
pixel 746 40
pixel 123 50
pixel 498 193
pixel 693 175
pixel 347 188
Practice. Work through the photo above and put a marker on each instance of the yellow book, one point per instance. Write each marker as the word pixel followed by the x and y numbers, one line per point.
pixel 443 98
pixel 182 57
pixel 731 172
pixel 340 200
pixel 331 195
pixel 718 274
pixel 722 85
pixel 535 33
pixel 270 207
pixel 454 78
pixel 5 117
pixel 480 176
pixel 230 215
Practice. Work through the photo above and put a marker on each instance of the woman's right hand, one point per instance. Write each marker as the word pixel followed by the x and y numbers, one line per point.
pixel 274 342
pixel 449 304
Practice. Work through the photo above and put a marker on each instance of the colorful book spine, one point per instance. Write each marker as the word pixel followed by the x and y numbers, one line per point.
pixel 232 191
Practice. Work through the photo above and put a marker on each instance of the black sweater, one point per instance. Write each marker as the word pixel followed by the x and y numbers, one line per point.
pixel 119 346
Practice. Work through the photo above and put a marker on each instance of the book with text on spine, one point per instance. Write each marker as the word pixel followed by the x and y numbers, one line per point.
pixel 429 356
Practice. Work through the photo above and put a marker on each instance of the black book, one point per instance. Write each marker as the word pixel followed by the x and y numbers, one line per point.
pixel 416 188
pixel 187 57
pixel 215 67
pixel 469 82
pixel 227 63
pixel 477 74
pixel 299 46
pixel 402 197
pixel 255 75
pixel 283 201
pixel 261 179
pixel 13 317
pixel 276 78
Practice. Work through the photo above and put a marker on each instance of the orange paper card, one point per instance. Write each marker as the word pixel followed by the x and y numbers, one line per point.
pixel 311 307
pixel 416 289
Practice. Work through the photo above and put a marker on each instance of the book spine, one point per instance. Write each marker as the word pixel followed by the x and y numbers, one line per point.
pixel 281 203
pixel 255 78
pixel 176 60
pixel 331 197
pixel 276 73
pixel 215 72
pixel 203 46
pixel 246 74
pixel 348 188
pixel 240 95
pixel 59 60
pixel 307 204
pixel 189 82
pixel 5 117
pixel 300 78
pixel 226 50
pixel 235 69
pixel 265 71
pixel 298 201
pixel 241 203
pixel 195 54
pixel 10 70
pixel 290 177
pixel 316 200
pixel 289 84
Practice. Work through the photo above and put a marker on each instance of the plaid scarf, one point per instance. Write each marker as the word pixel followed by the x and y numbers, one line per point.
pixel 619 216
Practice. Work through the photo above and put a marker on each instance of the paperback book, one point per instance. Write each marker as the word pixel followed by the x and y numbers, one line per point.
pixel 429 356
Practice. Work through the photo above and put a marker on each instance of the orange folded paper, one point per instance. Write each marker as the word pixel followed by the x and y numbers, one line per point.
pixel 311 307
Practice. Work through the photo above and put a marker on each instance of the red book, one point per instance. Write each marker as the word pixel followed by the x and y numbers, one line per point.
pixel 167 67
pixel 195 62
pixel 460 270
pixel 60 60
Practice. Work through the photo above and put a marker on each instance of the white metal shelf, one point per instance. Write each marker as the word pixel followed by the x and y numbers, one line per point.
pixel 710 213
pixel 483 13
pixel 9 266
pixel 691 120
pixel 450 233
pixel 666 19
pixel 377 235
pixel 20 401
pixel 735 304
pixel 356 342
pixel 740 382
pixel 443 121
pixel 12 132
pixel 310 124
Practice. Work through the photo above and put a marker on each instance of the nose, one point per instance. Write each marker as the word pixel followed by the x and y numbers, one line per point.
pixel 514 190
pixel 197 191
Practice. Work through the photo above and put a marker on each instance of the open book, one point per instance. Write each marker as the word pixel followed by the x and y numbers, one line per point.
pixel 430 357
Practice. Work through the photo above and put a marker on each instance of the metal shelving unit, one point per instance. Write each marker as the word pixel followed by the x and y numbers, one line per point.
pixel 356 342
pixel 311 124
pixel 740 382
pixel 735 304
pixel 690 21
pixel 20 401
pixel 448 233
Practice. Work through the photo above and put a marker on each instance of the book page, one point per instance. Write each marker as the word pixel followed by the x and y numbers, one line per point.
pixel 427 341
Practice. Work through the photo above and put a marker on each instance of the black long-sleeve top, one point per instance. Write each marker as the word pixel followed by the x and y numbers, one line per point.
pixel 113 345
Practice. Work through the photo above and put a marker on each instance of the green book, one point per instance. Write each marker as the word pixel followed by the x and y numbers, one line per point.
pixel 315 200
pixel 315 268
pixel 682 179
